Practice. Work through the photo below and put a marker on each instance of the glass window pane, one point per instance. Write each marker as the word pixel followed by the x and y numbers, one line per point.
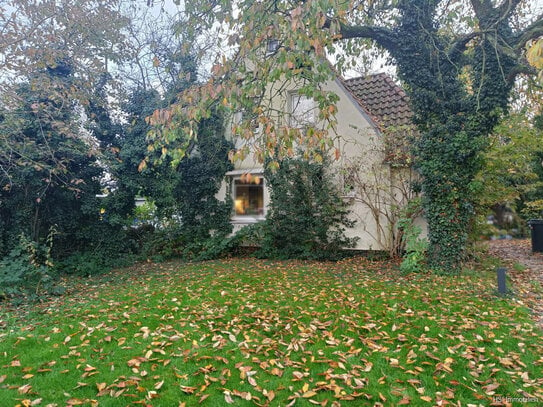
pixel 302 110
pixel 249 197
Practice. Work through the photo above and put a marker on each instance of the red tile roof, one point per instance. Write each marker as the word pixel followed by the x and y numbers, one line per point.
pixel 384 100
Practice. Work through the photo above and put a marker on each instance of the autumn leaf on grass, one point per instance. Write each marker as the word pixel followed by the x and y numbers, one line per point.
pixel 188 389
pixel 309 394
pixel 426 398
pixel 228 397
pixel 24 389
pixel 489 389
pixel 269 394
pixel 299 375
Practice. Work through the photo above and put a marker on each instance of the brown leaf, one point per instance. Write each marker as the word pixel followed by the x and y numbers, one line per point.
pixel 276 372
pixel 228 397
pixel 270 394
pixel 188 389
pixel 24 389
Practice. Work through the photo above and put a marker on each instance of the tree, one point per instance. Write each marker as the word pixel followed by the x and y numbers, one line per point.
pixel 511 175
pixel 45 43
pixel 458 61
pixel 54 62
pixel 52 180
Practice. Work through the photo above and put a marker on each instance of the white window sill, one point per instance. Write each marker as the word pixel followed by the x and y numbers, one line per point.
pixel 246 220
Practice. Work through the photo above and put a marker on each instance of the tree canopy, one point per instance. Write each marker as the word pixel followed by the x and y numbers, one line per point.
pixel 458 61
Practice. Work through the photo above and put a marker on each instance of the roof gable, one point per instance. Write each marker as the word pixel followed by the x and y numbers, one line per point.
pixel 385 101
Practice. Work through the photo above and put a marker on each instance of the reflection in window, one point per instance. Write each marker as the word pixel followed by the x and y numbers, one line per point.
pixel 302 110
pixel 249 196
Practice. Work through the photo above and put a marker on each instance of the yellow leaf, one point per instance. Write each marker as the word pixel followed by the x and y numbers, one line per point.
pixel 426 398
pixel 309 394
pixel 534 54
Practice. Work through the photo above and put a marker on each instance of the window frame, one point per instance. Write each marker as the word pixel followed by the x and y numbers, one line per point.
pixel 237 175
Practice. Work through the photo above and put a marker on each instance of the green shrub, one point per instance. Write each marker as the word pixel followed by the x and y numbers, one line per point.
pixel 307 217
pixel 92 263
pixel 414 260
pixel 416 247
pixel 28 268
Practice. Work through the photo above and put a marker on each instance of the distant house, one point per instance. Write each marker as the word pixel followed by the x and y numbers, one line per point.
pixel 374 125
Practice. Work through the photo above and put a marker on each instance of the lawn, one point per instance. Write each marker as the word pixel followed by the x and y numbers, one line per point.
pixel 250 332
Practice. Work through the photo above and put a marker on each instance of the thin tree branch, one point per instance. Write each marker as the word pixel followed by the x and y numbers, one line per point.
pixel 533 31
pixel 520 69
pixel 382 36
pixel 459 45
pixel 507 7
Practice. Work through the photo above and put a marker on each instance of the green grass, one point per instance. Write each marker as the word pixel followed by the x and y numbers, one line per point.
pixel 256 332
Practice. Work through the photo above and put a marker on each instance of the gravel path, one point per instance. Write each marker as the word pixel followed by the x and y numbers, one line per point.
pixel 528 281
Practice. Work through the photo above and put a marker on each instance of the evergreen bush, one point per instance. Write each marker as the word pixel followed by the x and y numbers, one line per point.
pixel 307 217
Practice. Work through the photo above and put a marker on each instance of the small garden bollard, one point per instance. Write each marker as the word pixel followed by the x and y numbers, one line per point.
pixel 502 287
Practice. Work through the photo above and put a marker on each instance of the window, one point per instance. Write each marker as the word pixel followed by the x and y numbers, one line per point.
pixel 249 195
pixel 272 46
pixel 302 111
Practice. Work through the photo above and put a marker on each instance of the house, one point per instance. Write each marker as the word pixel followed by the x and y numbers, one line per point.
pixel 374 122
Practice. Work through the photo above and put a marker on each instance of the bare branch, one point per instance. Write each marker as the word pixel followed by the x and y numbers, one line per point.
pixel 507 8
pixel 382 36
pixel 525 68
pixel 533 31
pixel 460 45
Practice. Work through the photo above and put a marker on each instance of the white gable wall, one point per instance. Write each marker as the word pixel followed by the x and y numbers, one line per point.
pixel 359 140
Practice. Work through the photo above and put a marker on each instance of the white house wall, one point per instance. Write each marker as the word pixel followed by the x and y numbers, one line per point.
pixel 358 138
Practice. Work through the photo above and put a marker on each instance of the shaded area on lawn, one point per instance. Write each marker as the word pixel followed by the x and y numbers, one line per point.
pixel 252 332
pixel 525 269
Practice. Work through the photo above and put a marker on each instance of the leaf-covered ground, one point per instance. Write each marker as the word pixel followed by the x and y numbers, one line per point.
pixel 250 332
pixel 526 270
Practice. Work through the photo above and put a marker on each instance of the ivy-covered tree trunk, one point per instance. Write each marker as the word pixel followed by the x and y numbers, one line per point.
pixel 454 118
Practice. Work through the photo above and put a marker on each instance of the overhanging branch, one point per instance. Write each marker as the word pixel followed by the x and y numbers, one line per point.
pixel 459 45
pixel 524 68
pixel 533 31
pixel 382 36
